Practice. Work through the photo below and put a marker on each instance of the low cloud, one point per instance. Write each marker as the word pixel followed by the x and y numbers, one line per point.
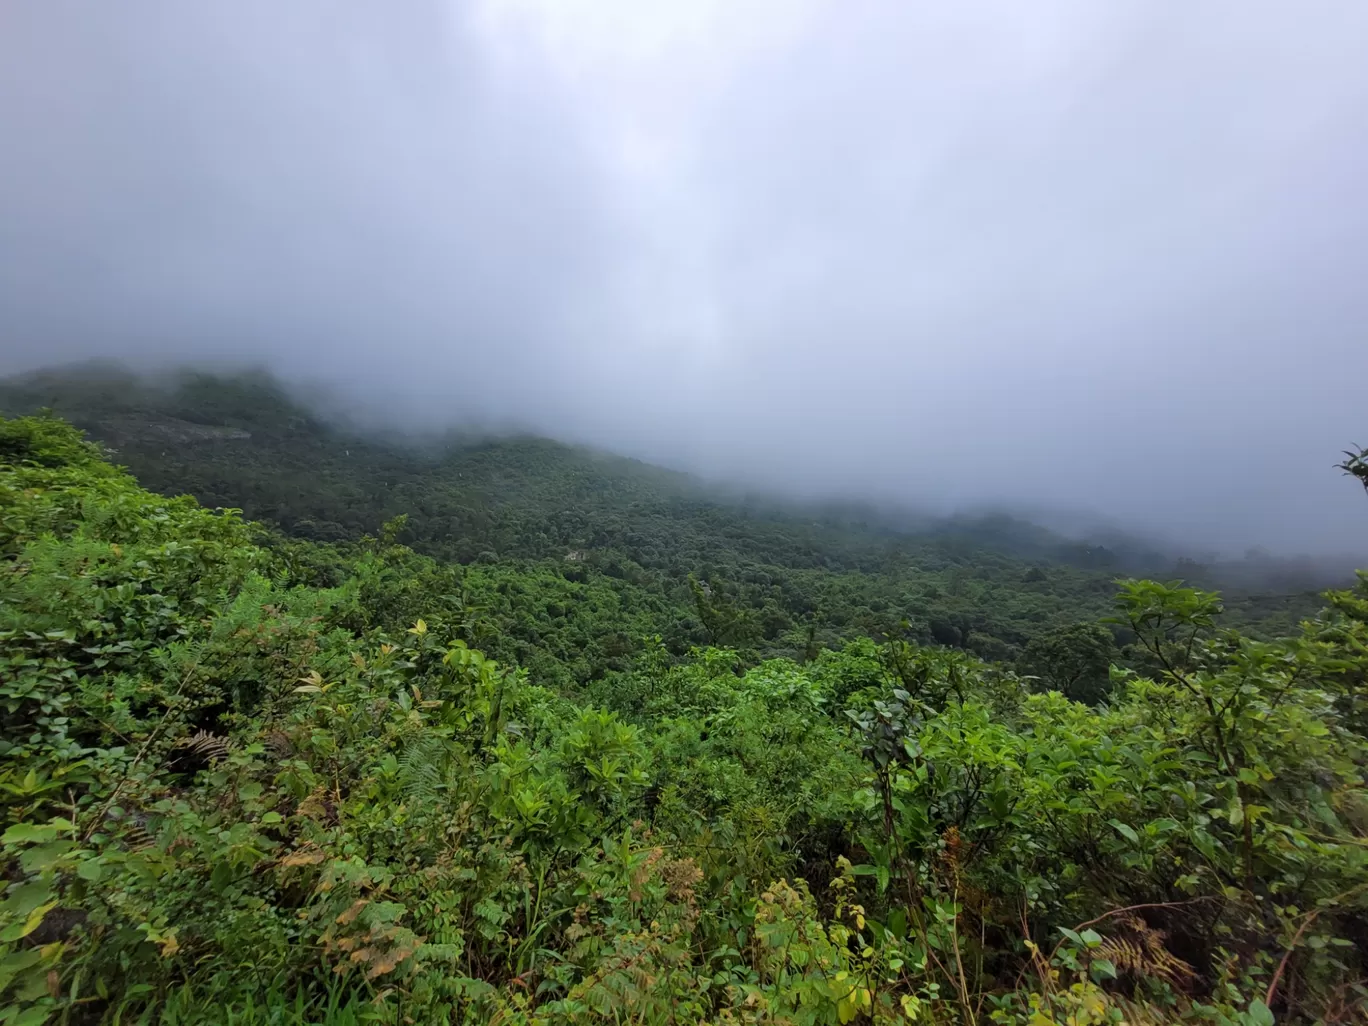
pixel 1062 255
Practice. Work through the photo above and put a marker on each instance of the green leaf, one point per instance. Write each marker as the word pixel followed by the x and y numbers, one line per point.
pixel 44 856
pixel 1125 831
pixel 1259 1014
pixel 16 962
pixel 17 931
pixel 92 870
pixel 29 833
pixel 35 1016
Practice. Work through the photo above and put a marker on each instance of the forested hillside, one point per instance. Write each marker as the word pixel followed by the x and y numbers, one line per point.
pixel 574 559
pixel 254 780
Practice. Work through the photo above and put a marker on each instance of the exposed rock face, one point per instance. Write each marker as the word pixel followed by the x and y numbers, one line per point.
pixel 122 431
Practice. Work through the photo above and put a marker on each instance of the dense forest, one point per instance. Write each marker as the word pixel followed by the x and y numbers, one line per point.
pixel 571 562
pixel 508 731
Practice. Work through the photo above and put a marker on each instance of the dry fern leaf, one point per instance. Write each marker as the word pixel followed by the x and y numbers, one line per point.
pixel 209 746
pixel 1139 950
pixel 279 744
pixel 137 838
pixel 303 857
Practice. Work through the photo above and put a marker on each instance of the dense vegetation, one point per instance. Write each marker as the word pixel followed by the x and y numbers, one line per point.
pixel 253 779
pixel 574 559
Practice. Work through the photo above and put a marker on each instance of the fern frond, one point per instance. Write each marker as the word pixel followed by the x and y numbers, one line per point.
pixel 279 744
pixel 207 745
pixel 1139 950
pixel 138 838
pixel 422 767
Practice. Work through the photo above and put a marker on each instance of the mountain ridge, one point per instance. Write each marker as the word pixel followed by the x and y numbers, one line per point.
pixel 134 414
pixel 492 507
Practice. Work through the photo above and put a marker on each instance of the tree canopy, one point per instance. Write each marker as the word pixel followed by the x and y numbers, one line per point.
pixel 256 778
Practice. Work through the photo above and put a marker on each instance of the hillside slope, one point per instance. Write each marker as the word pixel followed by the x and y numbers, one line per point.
pixel 245 439
pixel 785 577
pixel 225 790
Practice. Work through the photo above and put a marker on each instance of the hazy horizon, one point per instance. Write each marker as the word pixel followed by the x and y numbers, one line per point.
pixel 1103 260
pixel 900 512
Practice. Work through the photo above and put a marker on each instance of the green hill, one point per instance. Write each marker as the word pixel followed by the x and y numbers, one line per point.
pixel 620 539
pixel 275 782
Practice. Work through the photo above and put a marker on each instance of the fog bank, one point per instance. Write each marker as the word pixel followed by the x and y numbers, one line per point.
pixel 1085 257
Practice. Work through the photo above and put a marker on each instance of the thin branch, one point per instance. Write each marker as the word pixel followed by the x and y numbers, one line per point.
pixel 1282 965
pixel 1132 908
pixel 1136 908
pixel 142 753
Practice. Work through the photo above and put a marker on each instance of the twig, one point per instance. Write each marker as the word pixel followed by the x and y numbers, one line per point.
pixel 1296 939
pixel 1282 965
pixel 1132 908
pixel 142 753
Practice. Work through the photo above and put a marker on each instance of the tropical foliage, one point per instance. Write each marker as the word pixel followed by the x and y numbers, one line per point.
pixel 571 557
pixel 259 780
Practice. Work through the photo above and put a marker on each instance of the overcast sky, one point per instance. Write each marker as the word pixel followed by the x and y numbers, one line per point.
pixel 1099 256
